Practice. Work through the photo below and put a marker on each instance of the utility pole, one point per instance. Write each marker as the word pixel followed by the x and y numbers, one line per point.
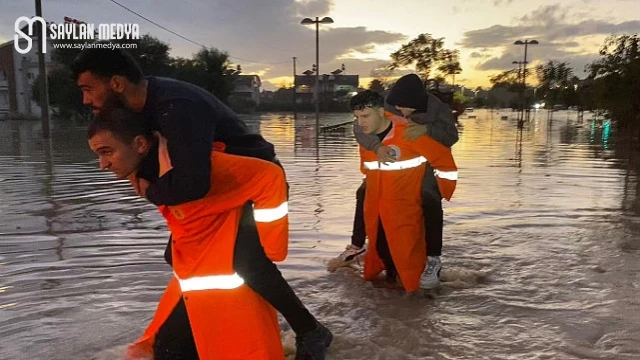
pixel 295 89
pixel 524 75
pixel 44 87
pixel 317 22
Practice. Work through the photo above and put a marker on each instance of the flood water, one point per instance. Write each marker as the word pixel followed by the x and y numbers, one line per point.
pixel 541 251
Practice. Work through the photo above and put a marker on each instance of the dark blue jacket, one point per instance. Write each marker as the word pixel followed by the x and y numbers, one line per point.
pixel 191 119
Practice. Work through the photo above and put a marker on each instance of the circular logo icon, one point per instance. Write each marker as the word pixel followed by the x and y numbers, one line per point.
pixel 178 214
pixel 396 151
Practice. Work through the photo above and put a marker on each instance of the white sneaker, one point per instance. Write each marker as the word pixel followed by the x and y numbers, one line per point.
pixel 431 276
pixel 351 253
pixel 349 256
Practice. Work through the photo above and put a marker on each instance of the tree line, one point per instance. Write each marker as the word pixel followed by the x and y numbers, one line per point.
pixel 611 85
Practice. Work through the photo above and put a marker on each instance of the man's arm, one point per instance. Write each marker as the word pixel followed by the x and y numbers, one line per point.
pixel 373 143
pixel 189 132
pixel 439 120
pixel 271 211
pixel 441 160
pixel 361 150
pixel 368 141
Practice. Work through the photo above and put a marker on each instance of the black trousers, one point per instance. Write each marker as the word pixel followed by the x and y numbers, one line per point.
pixel 382 247
pixel 263 276
pixel 431 206
pixel 174 340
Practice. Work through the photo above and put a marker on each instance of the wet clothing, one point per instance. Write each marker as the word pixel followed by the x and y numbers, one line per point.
pixel 441 127
pixel 393 197
pixel 433 219
pixel 228 319
pixel 191 119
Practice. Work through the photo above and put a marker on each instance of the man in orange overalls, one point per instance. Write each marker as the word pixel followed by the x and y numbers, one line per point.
pixel 392 208
pixel 191 118
pixel 207 311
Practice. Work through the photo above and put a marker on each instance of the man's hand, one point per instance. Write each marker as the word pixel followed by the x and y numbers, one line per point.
pixel 139 185
pixel 163 154
pixel 414 131
pixel 385 154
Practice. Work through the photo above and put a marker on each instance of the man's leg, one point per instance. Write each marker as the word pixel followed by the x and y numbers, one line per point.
pixel 168 257
pixel 382 247
pixel 263 277
pixel 433 215
pixel 358 235
pixel 174 339
pixel 433 223
pixel 433 220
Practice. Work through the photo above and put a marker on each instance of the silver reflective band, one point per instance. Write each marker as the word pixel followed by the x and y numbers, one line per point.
pixel 398 165
pixel 223 282
pixel 269 215
pixel 449 175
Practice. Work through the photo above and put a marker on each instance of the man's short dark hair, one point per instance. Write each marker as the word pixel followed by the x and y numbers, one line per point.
pixel 107 63
pixel 366 99
pixel 123 124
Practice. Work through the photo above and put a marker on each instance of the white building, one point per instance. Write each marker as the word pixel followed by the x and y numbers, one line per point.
pixel 18 73
pixel 247 87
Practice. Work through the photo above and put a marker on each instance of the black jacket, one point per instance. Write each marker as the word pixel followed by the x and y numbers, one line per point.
pixel 191 119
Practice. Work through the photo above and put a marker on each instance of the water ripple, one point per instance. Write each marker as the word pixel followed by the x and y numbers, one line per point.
pixel 541 246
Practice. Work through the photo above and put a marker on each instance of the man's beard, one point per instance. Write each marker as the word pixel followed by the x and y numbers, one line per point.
pixel 112 100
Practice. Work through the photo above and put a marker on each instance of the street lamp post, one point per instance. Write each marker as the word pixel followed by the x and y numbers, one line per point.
pixel 295 89
pixel 519 63
pixel 317 22
pixel 44 86
pixel 524 68
pixel 519 80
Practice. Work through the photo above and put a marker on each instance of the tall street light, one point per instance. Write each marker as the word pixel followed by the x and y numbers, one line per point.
pixel 519 81
pixel 524 67
pixel 519 63
pixel 317 22
pixel 44 86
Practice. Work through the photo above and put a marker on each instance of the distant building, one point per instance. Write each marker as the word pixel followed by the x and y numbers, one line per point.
pixel 465 91
pixel 331 86
pixel 18 74
pixel 247 87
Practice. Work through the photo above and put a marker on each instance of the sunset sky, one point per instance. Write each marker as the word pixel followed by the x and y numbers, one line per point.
pixel 264 35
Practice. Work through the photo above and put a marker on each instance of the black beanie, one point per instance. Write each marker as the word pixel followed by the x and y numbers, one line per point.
pixel 409 92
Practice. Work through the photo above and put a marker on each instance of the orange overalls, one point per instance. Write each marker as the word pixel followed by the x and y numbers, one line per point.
pixel 227 318
pixel 393 195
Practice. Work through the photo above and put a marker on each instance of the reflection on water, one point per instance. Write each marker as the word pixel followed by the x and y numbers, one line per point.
pixel 541 246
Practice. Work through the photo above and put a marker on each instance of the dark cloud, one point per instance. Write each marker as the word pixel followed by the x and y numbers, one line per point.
pixel 537 56
pixel 496 35
pixel 502 62
pixel 557 37
pixel 312 8
pixel 593 27
pixel 545 16
pixel 477 55
pixel 546 24
pixel 268 33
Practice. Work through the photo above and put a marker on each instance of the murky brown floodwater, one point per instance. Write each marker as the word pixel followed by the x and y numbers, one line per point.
pixel 542 247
